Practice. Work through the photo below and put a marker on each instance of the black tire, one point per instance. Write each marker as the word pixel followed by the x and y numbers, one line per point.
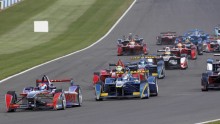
pixel 14 99
pixel 205 86
pixel 79 97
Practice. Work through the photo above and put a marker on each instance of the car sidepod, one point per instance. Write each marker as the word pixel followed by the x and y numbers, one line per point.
pixel 73 96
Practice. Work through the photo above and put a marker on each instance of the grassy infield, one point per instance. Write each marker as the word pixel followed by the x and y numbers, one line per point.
pixel 217 122
pixel 74 24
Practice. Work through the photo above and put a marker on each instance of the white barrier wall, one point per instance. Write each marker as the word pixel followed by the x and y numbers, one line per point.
pixel 7 3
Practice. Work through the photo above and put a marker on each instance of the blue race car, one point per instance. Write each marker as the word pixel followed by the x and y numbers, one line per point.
pixel 199 38
pixel 154 64
pixel 130 84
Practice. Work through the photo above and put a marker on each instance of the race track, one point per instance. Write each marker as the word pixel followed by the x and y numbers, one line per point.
pixel 180 99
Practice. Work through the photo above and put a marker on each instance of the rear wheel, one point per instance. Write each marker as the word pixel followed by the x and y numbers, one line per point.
pixel 148 92
pixel 156 92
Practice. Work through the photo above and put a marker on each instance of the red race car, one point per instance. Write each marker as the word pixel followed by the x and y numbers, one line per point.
pixel 166 38
pixel 131 45
pixel 187 48
pixel 106 73
pixel 44 96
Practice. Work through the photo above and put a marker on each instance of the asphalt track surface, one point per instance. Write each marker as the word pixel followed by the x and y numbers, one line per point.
pixel 180 99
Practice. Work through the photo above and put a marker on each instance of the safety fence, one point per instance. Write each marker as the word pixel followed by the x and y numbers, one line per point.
pixel 7 3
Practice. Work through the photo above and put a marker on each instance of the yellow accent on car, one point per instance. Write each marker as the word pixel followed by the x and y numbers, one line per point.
pixel 154 74
pixel 136 93
pixel 104 94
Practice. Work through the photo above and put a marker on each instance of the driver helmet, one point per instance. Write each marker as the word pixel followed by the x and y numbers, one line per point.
pixel 142 62
pixel 125 77
pixel 187 40
pixel 167 53
pixel 179 45
pixel 118 68
pixel 42 86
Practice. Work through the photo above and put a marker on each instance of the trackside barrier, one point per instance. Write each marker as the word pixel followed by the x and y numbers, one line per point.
pixel 7 3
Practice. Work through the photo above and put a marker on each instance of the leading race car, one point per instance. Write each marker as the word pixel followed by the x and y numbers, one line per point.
pixel 131 45
pixel 211 78
pixel 153 64
pixel 166 38
pixel 130 84
pixel 44 96
pixel 173 59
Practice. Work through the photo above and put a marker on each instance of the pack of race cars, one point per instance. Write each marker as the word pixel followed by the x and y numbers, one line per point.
pixel 136 78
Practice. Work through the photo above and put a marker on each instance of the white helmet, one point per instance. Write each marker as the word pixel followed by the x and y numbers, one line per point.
pixel 42 86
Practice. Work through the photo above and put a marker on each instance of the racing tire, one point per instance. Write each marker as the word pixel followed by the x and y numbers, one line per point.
pixel 79 97
pixel 156 93
pixel 63 102
pixel 205 88
pixel 13 101
pixel 148 92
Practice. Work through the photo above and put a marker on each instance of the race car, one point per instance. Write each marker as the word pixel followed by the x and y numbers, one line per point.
pixel 166 38
pixel 217 31
pixel 187 48
pixel 131 45
pixel 153 64
pixel 199 38
pixel 211 78
pixel 173 59
pixel 100 76
pixel 215 44
pixel 131 84
pixel 44 96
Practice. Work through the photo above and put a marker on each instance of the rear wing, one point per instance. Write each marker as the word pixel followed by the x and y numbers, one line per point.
pixel 145 57
pixel 134 72
pixel 167 51
pixel 169 32
pixel 49 82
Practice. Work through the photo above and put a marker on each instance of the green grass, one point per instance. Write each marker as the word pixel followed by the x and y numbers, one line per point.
pixel 21 49
pixel 217 122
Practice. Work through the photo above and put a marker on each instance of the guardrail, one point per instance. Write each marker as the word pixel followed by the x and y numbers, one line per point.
pixel 7 3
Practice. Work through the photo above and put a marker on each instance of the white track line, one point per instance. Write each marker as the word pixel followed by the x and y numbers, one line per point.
pixel 75 51
pixel 205 122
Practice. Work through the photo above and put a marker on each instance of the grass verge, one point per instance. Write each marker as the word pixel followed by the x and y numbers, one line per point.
pixel 88 28
pixel 217 122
